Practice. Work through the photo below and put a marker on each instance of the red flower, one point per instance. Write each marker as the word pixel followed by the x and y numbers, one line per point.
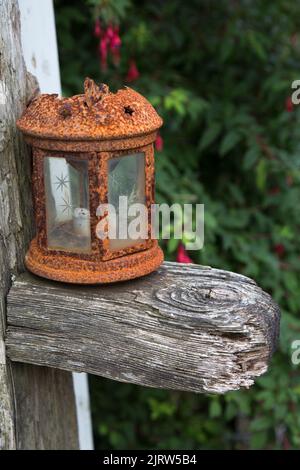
pixel 289 180
pixel 279 249
pixel 103 52
pixel 133 73
pixel 289 106
pixel 97 29
pixel 159 143
pixel 115 40
pixel 110 32
pixel 109 41
pixel 182 256
pixel 115 44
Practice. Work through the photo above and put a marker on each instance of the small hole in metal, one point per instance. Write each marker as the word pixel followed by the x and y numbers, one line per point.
pixel 128 110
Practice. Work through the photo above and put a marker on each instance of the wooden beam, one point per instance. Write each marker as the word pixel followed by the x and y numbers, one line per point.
pixel 184 327
pixel 27 393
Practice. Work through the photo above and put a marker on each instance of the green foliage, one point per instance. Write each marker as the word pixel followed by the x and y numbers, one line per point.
pixel 109 10
pixel 220 78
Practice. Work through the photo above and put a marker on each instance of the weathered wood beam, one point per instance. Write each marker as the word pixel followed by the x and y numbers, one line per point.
pixel 184 327
pixel 27 393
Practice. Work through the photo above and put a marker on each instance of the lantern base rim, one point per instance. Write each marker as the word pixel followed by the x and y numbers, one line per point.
pixel 80 271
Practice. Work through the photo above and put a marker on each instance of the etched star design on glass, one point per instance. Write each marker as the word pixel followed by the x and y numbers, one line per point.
pixel 61 182
pixel 67 206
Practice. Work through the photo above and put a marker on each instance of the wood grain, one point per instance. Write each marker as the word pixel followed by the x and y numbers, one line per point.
pixel 14 174
pixel 25 397
pixel 45 411
pixel 184 327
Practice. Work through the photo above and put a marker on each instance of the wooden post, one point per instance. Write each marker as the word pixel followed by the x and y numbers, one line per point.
pixel 37 408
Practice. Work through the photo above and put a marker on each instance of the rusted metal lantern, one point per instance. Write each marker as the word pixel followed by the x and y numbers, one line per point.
pixel 87 151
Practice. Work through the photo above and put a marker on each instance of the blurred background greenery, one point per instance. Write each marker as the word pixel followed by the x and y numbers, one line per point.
pixel 220 74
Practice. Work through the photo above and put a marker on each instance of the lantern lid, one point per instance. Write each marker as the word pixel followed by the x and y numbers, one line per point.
pixel 98 114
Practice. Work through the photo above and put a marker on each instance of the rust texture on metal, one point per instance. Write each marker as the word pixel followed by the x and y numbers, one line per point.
pixel 74 127
pixel 81 271
pixel 129 143
pixel 96 114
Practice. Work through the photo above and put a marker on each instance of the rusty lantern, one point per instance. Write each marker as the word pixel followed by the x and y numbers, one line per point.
pixel 87 151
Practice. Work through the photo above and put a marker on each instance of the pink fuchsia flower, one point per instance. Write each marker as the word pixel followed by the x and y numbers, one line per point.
pixel 182 256
pixel 289 106
pixel 159 143
pixel 109 41
pixel 103 52
pixel 133 73
pixel 115 44
pixel 110 32
pixel 115 40
pixel 97 29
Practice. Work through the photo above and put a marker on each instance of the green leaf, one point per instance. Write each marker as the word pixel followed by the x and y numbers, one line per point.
pixel 256 45
pixel 210 135
pixel 215 409
pixel 250 157
pixel 261 174
pixel 229 142
pixel 259 440
pixel 172 245
pixel 261 423
pixel 177 101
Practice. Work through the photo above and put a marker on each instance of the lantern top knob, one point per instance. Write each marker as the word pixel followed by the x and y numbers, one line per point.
pixel 98 114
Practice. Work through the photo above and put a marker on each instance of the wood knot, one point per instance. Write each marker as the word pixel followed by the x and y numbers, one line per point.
pixel 204 297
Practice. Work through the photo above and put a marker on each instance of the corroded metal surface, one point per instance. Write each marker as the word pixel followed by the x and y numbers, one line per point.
pixel 95 127
pixel 96 114
pixel 81 271
pixel 91 146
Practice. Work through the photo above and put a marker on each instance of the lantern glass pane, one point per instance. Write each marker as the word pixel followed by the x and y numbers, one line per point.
pixel 128 223
pixel 67 204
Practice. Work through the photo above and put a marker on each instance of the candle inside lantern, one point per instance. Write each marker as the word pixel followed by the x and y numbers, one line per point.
pixel 81 221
